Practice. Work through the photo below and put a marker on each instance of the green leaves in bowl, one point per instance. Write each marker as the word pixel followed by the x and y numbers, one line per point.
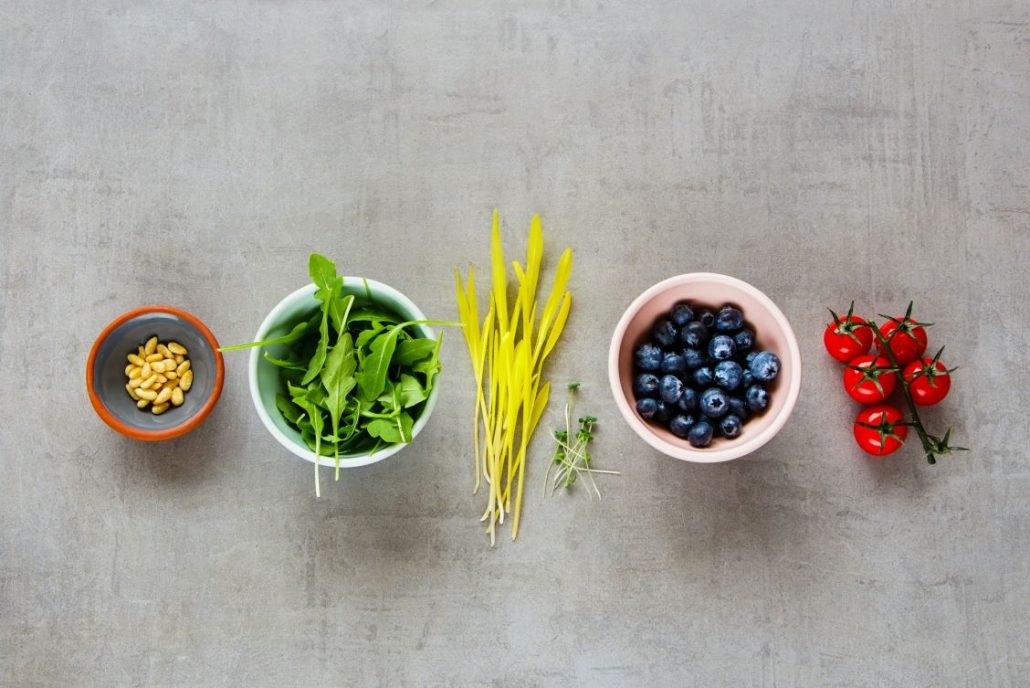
pixel 355 376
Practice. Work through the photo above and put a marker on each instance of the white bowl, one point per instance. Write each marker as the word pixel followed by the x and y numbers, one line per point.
pixel 265 381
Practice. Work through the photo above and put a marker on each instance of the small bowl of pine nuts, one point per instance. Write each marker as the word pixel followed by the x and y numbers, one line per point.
pixel 154 373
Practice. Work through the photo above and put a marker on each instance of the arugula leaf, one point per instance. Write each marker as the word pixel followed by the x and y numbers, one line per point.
pixel 296 333
pixel 283 363
pixel 392 431
pixel 372 376
pixel 367 335
pixel 338 380
pixel 411 392
pixel 290 412
pixel 413 350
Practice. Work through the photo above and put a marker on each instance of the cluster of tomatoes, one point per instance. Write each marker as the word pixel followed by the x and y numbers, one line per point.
pixel 871 378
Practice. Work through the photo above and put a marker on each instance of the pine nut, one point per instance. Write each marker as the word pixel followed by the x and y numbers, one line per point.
pixel 158 375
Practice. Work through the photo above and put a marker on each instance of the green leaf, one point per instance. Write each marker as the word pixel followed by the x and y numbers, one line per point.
pixel 411 391
pixel 384 429
pixel 413 350
pixel 296 333
pixel 322 271
pixel 338 380
pixel 372 376
pixel 367 335
pixel 286 407
pixel 318 358
pixel 284 363
pixel 339 311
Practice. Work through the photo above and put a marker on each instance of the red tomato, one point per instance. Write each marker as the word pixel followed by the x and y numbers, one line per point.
pixel 869 379
pixel 929 381
pixel 877 430
pixel 908 344
pixel 848 339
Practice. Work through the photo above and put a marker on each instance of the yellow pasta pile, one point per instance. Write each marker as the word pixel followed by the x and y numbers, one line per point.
pixel 508 352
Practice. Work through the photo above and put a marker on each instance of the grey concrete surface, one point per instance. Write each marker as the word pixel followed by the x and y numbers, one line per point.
pixel 195 153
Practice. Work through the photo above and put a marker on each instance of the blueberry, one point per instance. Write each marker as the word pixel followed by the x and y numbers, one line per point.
pixel 680 425
pixel 671 389
pixel 645 385
pixel 757 398
pixel 664 333
pixel 688 402
pixel 674 363
pixel 714 403
pixel 700 434
pixel 647 408
pixel 648 357
pixel 703 377
pixel 681 314
pixel 705 317
pixel 729 320
pixel 694 358
pixel 765 366
pixel 730 426
pixel 750 356
pixel 738 407
pixel 727 375
pixel 745 339
pixel 721 347
pixel 747 379
pixel 694 334
pixel 662 413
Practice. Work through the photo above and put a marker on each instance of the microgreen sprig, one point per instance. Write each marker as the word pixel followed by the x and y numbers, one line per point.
pixel 571 455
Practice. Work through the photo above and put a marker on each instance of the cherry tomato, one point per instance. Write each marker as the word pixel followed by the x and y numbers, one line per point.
pixel 873 382
pixel 847 337
pixel 908 344
pixel 877 430
pixel 929 381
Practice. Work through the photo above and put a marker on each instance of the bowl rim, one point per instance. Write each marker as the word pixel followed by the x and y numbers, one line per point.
pixel 308 291
pixel 176 430
pixel 731 450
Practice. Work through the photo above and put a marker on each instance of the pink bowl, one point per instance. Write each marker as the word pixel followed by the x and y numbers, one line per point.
pixel 772 333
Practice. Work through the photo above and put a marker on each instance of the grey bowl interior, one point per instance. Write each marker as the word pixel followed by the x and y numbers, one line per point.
pixel 109 369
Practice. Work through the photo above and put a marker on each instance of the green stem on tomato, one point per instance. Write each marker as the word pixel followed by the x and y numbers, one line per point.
pixel 929 447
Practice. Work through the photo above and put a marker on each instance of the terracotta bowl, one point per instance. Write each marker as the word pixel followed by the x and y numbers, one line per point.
pixel 772 333
pixel 105 372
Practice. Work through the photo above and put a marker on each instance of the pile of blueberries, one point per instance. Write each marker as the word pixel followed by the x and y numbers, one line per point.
pixel 700 373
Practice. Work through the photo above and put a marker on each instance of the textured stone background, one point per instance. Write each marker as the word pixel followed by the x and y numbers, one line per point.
pixel 195 153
